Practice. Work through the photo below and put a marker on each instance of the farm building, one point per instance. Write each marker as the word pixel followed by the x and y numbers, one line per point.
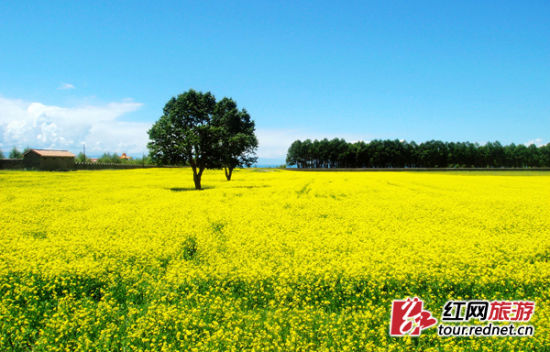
pixel 44 159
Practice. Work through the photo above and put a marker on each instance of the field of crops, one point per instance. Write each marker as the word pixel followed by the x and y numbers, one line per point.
pixel 134 260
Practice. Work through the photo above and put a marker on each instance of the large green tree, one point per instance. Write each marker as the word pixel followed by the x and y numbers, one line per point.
pixel 185 135
pixel 238 141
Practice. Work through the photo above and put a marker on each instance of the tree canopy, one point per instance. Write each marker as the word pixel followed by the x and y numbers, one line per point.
pixel 237 136
pixel 337 153
pixel 194 130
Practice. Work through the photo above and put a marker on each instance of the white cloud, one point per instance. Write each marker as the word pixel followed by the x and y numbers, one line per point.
pixel 33 124
pixel 37 125
pixel 65 86
pixel 537 141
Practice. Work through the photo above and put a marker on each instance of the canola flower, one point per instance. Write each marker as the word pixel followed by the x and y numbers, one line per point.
pixel 136 260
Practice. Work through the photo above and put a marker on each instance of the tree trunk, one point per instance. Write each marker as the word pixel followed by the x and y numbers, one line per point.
pixel 197 177
pixel 228 172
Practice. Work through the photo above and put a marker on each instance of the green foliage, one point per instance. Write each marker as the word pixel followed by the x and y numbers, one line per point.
pixel 217 226
pixel 195 130
pixel 114 158
pixel 81 158
pixel 36 234
pixel 184 134
pixel 402 154
pixel 15 154
pixel 238 141
pixel 144 160
pixel 189 248
pixel 109 158
pixel 1 154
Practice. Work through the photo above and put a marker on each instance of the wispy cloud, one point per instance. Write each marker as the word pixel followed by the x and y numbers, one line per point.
pixel 38 125
pixel 537 141
pixel 66 86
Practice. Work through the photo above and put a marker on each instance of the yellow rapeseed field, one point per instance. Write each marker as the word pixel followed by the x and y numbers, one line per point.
pixel 274 260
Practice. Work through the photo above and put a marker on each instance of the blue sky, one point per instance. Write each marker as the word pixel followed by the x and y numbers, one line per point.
pixel 99 73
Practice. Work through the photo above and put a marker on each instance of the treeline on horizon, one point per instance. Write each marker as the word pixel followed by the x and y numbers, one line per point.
pixel 114 158
pixel 337 153
pixel 105 158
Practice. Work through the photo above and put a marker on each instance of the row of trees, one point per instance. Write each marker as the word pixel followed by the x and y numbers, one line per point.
pixel 114 158
pixel 198 131
pixel 14 153
pixel 394 153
